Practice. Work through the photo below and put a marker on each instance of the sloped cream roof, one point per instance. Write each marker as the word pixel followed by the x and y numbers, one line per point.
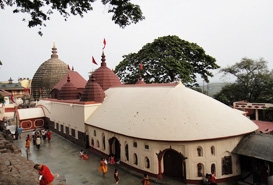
pixel 36 112
pixel 169 113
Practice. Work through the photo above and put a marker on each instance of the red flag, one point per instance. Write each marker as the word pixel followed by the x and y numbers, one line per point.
pixel 104 43
pixel 140 66
pixel 11 98
pixel 93 60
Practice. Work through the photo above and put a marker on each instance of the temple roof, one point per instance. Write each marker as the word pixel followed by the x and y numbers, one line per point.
pixel 105 77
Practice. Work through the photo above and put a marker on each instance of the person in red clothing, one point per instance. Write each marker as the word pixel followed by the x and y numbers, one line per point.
pixel 49 135
pixel 46 177
pixel 212 180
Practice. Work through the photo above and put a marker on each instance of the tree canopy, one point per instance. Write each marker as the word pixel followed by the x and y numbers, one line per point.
pixel 124 12
pixel 254 82
pixel 167 59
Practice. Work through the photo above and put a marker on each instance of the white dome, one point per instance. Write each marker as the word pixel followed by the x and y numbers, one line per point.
pixel 169 113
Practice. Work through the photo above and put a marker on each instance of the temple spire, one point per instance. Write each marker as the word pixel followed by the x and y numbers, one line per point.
pixel 54 51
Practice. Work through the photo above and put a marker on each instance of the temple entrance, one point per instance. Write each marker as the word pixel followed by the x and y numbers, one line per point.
pixel 115 148
pixel 174 164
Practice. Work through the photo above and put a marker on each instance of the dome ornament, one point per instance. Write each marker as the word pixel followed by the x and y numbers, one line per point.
pixel 54 51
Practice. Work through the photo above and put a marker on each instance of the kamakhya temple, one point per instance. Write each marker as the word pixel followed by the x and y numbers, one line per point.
pixel 159 129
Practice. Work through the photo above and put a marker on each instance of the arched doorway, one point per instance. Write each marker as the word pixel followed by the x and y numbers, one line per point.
pixel 174 164
pixel 115 147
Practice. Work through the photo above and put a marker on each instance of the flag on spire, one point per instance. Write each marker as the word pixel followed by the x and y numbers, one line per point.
pixel 93 60
pixel 140 66
pixel 104 43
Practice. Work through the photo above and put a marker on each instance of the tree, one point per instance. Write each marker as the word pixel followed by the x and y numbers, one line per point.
pixel 254 82
pixel 167 59
pixel 2 100
pixel 124 12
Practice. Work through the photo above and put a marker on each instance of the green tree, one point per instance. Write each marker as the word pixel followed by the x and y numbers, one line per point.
pixel 167 59
pixel 124 12
pixel 1 99
pixel 254 82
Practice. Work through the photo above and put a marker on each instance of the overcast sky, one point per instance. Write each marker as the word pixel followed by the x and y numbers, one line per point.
pixel 228 30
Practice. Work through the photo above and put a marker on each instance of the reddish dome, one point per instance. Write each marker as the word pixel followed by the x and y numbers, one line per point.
pixel 68 91
pixel 105 77
pixel 93 91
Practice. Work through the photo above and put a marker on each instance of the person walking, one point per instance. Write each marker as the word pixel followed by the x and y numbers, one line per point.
pixel 27 145
pixel 49 135
pixel 46 177
pixel 116 177
pixel 38 142
pixel 146 180
pixel 44 134
pixel 103 167
pixel 19 130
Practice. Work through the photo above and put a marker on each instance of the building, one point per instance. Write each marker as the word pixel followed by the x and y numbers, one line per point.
pixel 160 129
pixel 48 75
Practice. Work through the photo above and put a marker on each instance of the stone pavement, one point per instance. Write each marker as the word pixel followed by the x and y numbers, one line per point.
pixel 62 158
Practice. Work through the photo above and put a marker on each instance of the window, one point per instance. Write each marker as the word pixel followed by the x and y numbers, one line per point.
pixel 92 142
pixel 212 168
pixel 212 150
pixel 200 170
pixel 94 133
pixel 73 132
pixel 199 151
pixel 226 165
pixel 135 144
pixel 147 162
pixel 67 130
pixel 127 152
pixel 146 147
pixel 98 143
pixel 135 159
pixel 103 141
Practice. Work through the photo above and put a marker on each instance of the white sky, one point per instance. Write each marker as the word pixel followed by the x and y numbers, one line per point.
pixel 227 30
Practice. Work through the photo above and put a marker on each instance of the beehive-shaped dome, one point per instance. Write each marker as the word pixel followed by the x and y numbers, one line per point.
pixel 93 91
pixel 105 77
pixel 68 91
pixel 48 75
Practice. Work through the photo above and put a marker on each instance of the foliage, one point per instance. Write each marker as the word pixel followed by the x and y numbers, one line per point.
pixel 124 12
pixel 269 114
pixel 254 82
pixel 167 59
pixel 2 100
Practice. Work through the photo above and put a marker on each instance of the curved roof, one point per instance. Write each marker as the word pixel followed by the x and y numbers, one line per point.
pixel 168 113
pixel 75 78
pixel 104 76
pixel 92 91
pixel 68 91
pixel 48 75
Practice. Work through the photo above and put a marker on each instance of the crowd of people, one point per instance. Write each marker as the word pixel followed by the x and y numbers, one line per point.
pixel 37 137
pixel 46 177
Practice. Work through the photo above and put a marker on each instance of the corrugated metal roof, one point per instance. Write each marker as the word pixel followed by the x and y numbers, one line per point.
pixel 257 146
